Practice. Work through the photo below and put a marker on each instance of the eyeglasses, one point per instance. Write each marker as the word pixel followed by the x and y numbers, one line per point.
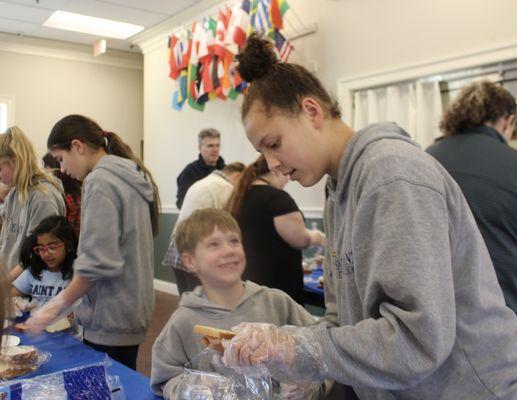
pixel 51 248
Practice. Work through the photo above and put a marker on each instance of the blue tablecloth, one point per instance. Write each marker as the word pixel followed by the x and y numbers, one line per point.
pixel 68 352
pixel 311 282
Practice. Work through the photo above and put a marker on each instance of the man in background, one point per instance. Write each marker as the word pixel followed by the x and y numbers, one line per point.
pixel 208 160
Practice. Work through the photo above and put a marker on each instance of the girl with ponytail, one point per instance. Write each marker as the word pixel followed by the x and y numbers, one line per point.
pixel 113 271
pixel 273 229
pixel 410 290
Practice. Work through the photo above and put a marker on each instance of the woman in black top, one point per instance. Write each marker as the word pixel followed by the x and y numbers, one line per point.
pixel 273 229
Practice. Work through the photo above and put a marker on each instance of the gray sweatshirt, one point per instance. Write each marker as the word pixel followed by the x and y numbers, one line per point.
pixel 19 220
pixel 414 310
pixel 177 344
pixel 116 253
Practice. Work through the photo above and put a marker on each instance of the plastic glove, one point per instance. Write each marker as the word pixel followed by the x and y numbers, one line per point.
pixel 17 308
pixel 291 354
pixel 21 305
pixel 46 315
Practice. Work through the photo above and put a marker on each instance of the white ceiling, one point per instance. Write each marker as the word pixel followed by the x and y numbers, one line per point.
pixel 26 17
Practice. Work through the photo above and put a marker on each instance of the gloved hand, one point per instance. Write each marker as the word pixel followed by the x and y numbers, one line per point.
pixel 289 353
pixel 21 305
pixel 46 315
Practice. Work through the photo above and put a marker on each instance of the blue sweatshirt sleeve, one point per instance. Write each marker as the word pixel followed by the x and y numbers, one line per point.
pixel 99 253
pixel 403 274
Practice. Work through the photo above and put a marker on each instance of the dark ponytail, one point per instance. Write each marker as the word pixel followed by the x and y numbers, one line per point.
pixel 70 185
pixel 278 85
pixel 88 131
pixel 251 172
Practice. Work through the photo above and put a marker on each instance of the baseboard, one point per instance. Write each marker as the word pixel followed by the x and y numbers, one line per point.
pixel 166 287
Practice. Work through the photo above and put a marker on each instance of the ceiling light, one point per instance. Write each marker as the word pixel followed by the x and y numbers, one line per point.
pixel 92 25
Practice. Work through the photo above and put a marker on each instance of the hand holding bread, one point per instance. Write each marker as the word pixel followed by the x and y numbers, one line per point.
pixel 212 336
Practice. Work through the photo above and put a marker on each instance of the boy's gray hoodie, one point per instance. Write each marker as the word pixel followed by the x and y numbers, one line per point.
pixel 19 220
pixel 414 309
pixel 177 343
pixel 116 253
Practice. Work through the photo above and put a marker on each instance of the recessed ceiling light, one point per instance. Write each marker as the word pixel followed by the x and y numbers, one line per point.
pixel 92 25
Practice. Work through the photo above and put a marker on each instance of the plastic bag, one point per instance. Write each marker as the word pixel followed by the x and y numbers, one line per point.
pixel 21 305
pixel 206 378
pixel 291 354
pixel 17 361
pixel 89 382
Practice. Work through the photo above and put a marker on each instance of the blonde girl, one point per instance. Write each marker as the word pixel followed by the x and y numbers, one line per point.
pixel 34 195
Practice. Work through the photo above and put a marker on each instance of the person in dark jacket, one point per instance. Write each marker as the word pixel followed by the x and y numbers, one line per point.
pixel 477 127
pixel 208 160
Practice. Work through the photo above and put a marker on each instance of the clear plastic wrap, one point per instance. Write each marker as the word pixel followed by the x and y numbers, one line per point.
pixel 206 378
pixel 291 354
pixel 52 311
pixel 89 382
pixel 22 305
pixel 16 361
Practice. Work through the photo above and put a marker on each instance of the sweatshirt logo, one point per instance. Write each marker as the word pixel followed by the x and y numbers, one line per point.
pixel 12 227
pixel 345 264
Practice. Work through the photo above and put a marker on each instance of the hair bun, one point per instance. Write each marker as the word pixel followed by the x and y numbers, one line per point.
pixel 256 58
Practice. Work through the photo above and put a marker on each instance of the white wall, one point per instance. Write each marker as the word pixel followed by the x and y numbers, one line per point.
pixel 354 38
pixel 361 37
pixel 50 80
pixel 171 136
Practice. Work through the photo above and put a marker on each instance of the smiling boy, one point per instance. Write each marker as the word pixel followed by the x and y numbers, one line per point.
pixel 209 242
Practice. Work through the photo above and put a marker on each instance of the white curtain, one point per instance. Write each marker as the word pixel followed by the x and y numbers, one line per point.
pixel 416 107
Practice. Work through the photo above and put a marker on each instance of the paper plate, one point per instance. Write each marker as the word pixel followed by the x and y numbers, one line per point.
pixel 10 340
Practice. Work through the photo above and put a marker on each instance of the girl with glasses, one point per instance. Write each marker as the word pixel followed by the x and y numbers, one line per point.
pixel 47 256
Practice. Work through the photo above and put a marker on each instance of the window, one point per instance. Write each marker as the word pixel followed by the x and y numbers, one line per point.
pixel 6 112
pixel 417 103
pixel 3 117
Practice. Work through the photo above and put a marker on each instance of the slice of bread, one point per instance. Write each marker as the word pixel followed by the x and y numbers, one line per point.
pixel 212 336
pixel 8 371
pixel 59 325
pixel 17 360
pixel 19 355
pixel 213 333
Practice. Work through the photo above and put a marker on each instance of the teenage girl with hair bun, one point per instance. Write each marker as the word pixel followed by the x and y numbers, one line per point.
pixel 413 306
pixel 114 268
